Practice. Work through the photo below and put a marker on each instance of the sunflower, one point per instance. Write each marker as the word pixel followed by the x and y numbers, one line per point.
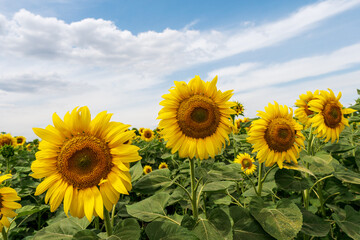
pixel 276 136
pixel 147 169
pixel 246 162
pixel 29 147
pixel 163 165
pixel 238 108
pixel 141 130
pixel 20 140
pixel 8 196
pixel 7 139
pixel 196 118
pixel 238 123
pixel 85 162
pixel 303 113
pixel 329 120
pixel 147 135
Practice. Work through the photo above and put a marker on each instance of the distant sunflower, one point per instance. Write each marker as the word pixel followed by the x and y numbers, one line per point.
pixel 29 147
pixel 147 135
pixel 246 162
pixel 196 118
pixel 85 162
pixel 163 165
pixel 238 123
pixel 276 136
pixel 20 140
pixel 330 120
pixel 147 169
pixel 141 130
pixel 8 196
pixel 303 112
pixel 238 108
pixel 7 139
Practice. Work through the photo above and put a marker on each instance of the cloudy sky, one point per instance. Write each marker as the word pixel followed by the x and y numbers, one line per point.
pixel 122 56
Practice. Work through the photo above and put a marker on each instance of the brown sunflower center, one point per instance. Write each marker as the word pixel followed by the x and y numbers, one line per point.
pixel 19 140
pixel 280 135
pixel 5 141
pixel 198 116
pixel 308 111
pixel 147 134
pixel 246 163
pixel 332 114
pixel 84 161
pixel 148 170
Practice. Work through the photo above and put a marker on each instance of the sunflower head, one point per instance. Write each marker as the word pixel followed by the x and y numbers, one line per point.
pixel 147 169
pixel 20 140
pixel 85 162
pixel 8 196
pixel 7 139
pixel 147 135
pixel 141 130
pixel 238 108
pixel 303 113
pixel 276 136
pixel 163 165
pixel 196 118
pixel 329 120
pixel 247 163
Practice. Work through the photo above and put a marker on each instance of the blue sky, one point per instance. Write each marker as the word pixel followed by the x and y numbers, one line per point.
pixel 121 56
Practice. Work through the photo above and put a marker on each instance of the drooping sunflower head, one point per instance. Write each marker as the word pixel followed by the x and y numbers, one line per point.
pixel 303 113
pixel 8 196
pixel 196 118
pixel 238 108
pixel 147 169
pixel 7 139
pixel 85 162
pixel 141 130
pixel 147 135
pixel 20 140
pixel 163 165
pixel 247 163
pixel 329 120
pixel 276 136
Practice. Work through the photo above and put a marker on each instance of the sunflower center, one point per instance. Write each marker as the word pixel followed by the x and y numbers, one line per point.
pixel 84 161
pixel 148 170
pixel 19 140
pixel 1 200
pixel 6 141
pixel 198 116
pixel 246 163
pixel 148 134
pixel 308 111
pixel 332 114
pixel 280 135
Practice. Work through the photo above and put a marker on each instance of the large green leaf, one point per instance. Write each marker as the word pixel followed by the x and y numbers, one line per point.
pixel 85 235
pixel 217 226
pixel 320 164
pixel 127 229
pixel 150 208
pixel 136 171
pixel 63 229
pixel 30 209
pixel 314 225
pixel 164 230
pixel 218 186
pixel 230 172
pixel 338 148
pixel 348 220
pixel 285 180
pixel 346 175
pixel 245 226
pixel 153 181
pixel 282 221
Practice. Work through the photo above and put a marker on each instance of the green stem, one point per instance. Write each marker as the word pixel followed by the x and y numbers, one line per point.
pixel 97 224
pixel 8 164
pixel 321 199
pixel 193 189
pixel 252 182
pixel 260 182
pixel 112 215
pixel 108 225
pixel 321 179
pixel 234 199
pixel 204 202
pixel 306 192
pixel 4 235
pixel 267 173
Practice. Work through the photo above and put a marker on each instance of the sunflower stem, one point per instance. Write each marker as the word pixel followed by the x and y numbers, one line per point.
pixel 4 235
pixel 112 215
pixel 97 224
pixel 267 173
pixel 193 189
pixel 260 182
pixel 107 221
pixel 309 152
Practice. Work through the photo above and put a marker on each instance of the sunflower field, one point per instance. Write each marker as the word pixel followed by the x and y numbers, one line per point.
pixel 206 172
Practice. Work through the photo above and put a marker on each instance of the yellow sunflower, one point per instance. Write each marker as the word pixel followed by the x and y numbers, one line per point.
pixel 8 196
pixel 7 139
pixel 303 112
pixel 196 118
pixel 85 162
pixel 238 123
pixel 238 108
pixel 246 162
pixel 141 130
pixel 147 135
pixel 329 120
pixel 147 169
pixel 163 165
pixel 276 136
pixel 20 140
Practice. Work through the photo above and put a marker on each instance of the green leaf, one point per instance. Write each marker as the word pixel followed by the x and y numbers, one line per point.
pixel 320 164
pixel 136 171
pixel 347 175
pixel 282 221
pixel 230 172
pixel 85 235
pixel 217 226
pixel 297 167
pixel 127 229
pixel 165 230
pixel 354 118
pixel 218 186
pixel 314 225
pixel 338 148
pixel 30 209
pixel 285 180
pixel 153 181
pixel 348 220
pixel 245 226
pixel 150 208
pixel 63 229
